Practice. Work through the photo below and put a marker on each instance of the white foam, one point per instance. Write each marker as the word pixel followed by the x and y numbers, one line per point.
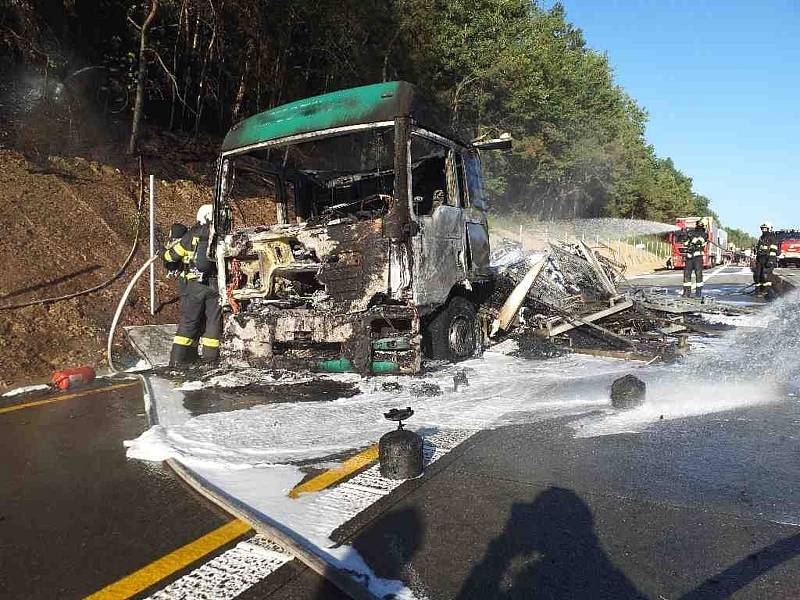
pixel 25 390
pixel 501 389
pixel 141 365
pixel 670 397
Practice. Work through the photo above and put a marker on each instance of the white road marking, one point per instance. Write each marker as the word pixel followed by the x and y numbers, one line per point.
pixel 229 574
pixel 713 274
pixel 251 561
pixel 354 495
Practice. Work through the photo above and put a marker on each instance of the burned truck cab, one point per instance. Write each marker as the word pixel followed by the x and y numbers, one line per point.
pixel 350 234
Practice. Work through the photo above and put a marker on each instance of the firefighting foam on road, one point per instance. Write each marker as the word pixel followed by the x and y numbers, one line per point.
pixel 503 390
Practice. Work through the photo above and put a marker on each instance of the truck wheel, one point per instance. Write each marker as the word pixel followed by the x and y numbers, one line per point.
pixel 452 334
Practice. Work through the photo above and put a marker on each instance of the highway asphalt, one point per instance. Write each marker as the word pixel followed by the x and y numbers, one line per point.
pixel 77 516
pixel 701 508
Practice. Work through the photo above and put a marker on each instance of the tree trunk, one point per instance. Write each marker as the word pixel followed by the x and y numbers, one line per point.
pixel 389 48
pixel 239 99
pixel 202 80
pixel 137 107
pixel 178 36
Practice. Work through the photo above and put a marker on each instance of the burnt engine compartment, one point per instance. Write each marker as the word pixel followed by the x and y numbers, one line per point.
pixel 317 297
pixel 277 269
pixel 342 266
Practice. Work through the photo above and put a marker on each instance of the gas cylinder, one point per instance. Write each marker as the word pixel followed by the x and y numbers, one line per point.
pixel 71 378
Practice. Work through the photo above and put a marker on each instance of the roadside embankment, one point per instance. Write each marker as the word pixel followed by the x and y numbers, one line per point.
pixel 68 224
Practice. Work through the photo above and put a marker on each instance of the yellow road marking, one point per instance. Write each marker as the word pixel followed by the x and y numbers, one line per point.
pixel 9 409
pixel 331 476
pixel 171 563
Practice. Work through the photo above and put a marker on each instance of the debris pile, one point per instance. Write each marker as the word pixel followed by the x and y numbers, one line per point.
pixel 568 299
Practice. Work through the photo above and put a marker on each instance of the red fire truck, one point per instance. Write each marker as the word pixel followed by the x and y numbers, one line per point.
pixel 715 248
pixel 788 247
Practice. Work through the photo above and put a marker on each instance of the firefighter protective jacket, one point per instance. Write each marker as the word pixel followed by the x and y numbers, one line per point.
pixel 767 249
pixel 176 232
pixel 186 252
pixel 696 244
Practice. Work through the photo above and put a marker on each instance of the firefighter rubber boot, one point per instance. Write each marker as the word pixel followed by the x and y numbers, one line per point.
pixel 192 354
pixel 181 356
pixel 178 355
pixel 210 350
pixel 698 293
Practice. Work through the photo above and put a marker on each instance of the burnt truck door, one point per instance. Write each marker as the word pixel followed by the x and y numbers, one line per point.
pixel 477 226
pixel 439 246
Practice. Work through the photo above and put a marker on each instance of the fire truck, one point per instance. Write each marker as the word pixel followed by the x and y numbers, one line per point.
pixel 788 247
pixel 714 253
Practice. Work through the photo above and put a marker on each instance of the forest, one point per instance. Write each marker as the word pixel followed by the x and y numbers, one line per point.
pixel 195 67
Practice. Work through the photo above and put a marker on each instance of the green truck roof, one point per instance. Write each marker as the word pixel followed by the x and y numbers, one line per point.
pixel 354 106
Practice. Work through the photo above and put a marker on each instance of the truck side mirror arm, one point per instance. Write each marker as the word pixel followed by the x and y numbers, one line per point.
pixel 504 142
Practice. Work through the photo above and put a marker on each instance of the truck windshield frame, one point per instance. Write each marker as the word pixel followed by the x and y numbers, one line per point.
pixel 306 206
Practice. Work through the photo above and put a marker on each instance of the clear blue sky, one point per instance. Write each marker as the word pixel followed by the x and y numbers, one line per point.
pixel 720 81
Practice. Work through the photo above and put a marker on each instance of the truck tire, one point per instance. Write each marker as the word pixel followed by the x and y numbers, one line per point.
pixel 452 333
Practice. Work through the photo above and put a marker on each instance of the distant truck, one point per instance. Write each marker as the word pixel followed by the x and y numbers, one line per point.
pixel 788 247
pixel 714 253
pixel 351 234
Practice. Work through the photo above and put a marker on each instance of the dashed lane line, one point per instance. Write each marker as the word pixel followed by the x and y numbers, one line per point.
pixel 332 476
pixel 171 563
pixel 80 394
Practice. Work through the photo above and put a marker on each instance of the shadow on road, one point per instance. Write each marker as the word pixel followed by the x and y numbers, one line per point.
pixel 747 570
pixel 397 534
pixel 548 549
pixel 553 543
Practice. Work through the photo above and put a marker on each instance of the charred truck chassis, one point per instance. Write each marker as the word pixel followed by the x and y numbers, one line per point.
pixel 379 236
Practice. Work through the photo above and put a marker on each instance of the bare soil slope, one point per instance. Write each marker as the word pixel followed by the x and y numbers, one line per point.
pixel 68 222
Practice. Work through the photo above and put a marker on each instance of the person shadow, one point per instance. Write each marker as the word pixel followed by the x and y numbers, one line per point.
pixel 390 542
pixel 548 549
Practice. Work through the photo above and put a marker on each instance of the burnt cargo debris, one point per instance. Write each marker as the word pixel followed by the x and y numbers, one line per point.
pixel 569 295
pixel 348 229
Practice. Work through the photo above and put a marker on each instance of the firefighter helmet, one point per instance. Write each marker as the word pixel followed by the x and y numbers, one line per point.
pixel 177 231
pixel 205 214
pixel 766 225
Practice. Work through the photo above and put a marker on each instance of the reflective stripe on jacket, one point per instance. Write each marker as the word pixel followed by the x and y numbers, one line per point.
pixel 695 245
pixel 767 247
pixel 184 251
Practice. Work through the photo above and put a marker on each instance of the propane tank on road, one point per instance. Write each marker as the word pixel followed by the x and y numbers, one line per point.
pixel 400 451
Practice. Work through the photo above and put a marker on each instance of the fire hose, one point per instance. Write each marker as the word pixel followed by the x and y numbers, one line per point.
pixel 90 290
pixel 121 304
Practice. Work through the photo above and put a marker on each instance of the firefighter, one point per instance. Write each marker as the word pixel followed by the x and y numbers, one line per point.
pixel 201 316
pixel 766 260
pixel 695 254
